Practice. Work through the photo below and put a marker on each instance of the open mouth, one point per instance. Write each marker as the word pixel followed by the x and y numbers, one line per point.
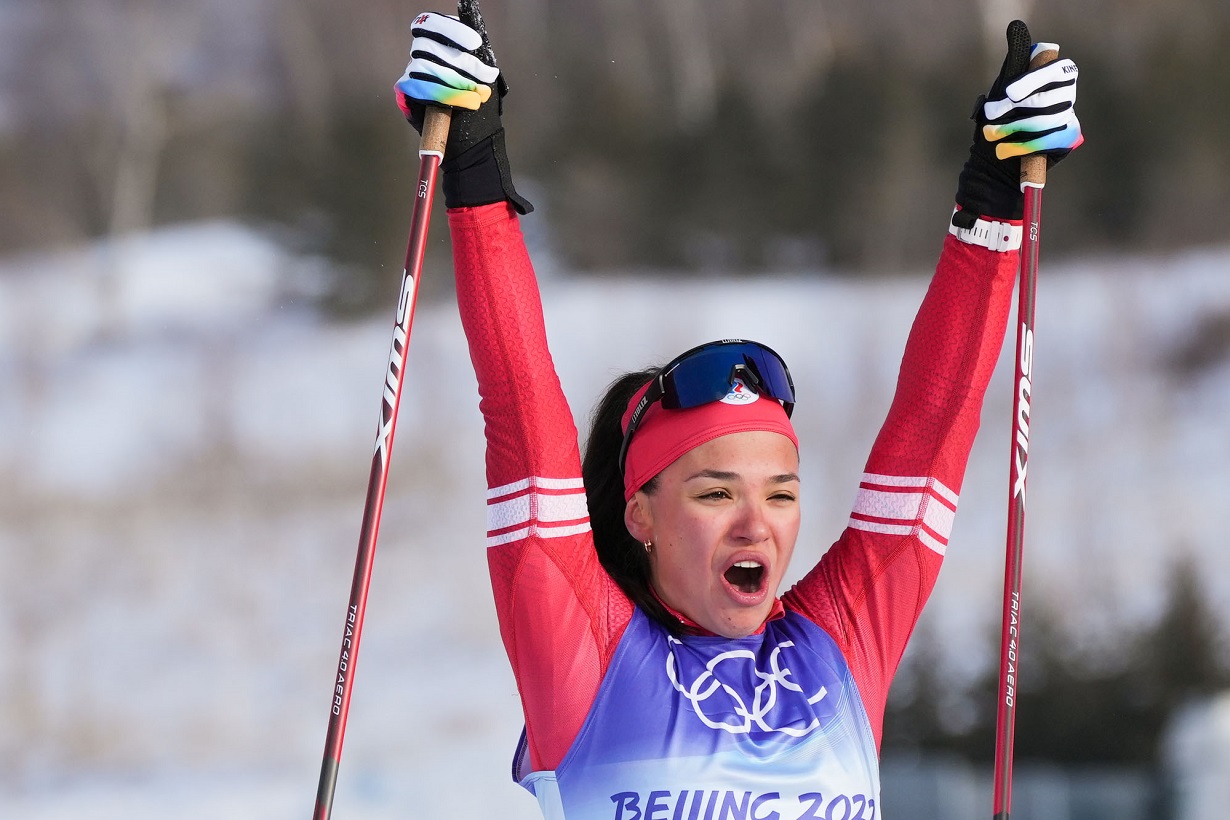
pixel 746 576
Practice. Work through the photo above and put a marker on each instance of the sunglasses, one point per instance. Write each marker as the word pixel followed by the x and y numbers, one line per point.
pixel 708 373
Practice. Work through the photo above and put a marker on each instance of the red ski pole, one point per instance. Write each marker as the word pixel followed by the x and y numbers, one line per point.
pixel 1033 179
pixel 431 153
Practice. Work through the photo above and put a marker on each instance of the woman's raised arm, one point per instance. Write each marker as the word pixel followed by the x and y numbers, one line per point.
pixel 869 589
pixel 560 614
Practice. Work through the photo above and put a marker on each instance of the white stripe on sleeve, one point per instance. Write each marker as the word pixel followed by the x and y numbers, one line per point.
pixel 906 505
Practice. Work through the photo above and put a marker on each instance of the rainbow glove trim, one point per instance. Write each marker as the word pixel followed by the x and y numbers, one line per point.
pixel 1037 113
pixel 443 69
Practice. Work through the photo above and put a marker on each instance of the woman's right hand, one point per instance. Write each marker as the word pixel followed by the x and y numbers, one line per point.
pixel 451 65
pixel 443 69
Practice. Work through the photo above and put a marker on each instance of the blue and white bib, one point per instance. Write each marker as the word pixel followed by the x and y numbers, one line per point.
pixel 767 727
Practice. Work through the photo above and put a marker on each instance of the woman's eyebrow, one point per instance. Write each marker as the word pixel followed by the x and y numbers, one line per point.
pixel 724 475
pixel 720 475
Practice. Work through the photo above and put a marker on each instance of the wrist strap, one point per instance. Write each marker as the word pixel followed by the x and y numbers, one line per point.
pixel 974 230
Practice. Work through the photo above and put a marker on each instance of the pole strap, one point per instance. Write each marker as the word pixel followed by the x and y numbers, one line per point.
pixel 996 236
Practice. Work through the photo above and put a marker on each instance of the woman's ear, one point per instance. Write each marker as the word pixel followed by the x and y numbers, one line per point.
pixel 638 518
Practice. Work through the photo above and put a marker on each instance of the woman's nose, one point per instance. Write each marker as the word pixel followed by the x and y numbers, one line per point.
pixel 752 524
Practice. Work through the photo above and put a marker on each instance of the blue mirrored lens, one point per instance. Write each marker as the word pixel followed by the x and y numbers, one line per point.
pixel 707 373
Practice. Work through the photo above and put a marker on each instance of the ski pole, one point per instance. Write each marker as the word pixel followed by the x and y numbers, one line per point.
pixel 1033 179
pixel 431 152
pixel 436 121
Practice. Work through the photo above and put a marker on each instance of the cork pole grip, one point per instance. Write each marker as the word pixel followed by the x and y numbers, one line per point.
pixel 1033 167
pixel 435 130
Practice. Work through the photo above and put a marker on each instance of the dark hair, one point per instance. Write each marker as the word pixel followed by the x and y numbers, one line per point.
pixel 622 556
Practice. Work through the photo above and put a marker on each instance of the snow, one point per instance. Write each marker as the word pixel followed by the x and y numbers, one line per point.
pixel 185 448
pixel 1199 743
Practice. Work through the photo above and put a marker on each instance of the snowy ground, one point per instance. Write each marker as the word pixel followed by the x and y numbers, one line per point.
pixel 184 455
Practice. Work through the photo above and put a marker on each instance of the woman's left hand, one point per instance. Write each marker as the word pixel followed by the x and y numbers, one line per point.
pixel 1036 112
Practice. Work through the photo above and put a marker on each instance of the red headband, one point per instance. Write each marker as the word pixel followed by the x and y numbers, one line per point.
pixel 665 435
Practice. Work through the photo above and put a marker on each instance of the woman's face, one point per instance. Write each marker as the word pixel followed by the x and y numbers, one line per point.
pixel 723 522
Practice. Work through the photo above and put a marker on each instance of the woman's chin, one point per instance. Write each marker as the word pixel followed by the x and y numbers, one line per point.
pixel 744 619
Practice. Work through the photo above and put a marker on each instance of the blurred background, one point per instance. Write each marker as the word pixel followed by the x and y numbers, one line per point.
pixel 205 209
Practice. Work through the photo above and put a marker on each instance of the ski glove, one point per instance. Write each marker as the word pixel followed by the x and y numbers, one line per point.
pixel 1025 112
pixel 451 65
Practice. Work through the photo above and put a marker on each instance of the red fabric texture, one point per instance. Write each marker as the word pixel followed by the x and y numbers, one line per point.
pixel 869 589
pixel 664 435
pixel 561 616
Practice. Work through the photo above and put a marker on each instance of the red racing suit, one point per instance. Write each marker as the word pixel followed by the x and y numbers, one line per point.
pixel 563 620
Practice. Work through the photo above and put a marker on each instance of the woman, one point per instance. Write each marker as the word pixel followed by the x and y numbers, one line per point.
pixel 660 674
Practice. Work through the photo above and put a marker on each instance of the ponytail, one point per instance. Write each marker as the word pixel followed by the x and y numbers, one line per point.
pixel 622 556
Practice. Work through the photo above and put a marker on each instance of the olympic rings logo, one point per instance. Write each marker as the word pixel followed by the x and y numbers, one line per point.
pixel 741 717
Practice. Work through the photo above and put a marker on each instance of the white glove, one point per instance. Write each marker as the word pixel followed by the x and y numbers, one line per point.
pixel 442 69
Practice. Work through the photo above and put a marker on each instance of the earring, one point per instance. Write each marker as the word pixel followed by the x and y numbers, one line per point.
pixel 648 546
